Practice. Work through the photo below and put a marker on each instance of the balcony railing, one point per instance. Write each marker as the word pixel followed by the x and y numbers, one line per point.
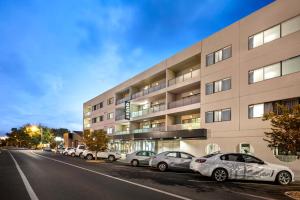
pixel 119 101
pixel 184 77
pixel 120 117
pixel 148 111
pixel 147 130
pixel 187 126
pixel 121 132
pixel 87 114
pixel 185 101
pixel 149 90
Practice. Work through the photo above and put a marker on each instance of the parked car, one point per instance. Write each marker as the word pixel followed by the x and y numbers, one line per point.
pixel 174 160
pixel 47 149
pixel 110 155
pixel 71 152
pixel 60 150
pixel 65 152
pixel 139 158
pixel 241 166
pixel 79 150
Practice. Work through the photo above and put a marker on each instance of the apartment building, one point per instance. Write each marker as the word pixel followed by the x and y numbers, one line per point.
pixel 210 96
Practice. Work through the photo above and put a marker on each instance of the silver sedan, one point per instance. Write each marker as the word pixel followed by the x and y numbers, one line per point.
pixel 174 160
pixel 139 158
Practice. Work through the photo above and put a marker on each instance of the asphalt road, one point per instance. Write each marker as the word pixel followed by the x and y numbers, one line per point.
pixel 53 176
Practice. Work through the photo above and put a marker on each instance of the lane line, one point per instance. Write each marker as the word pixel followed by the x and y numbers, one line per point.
pixel 29 189
pixel 116 178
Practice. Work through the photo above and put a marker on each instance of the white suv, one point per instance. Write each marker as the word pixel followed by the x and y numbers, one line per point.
pixel 79 150
pixel 110 155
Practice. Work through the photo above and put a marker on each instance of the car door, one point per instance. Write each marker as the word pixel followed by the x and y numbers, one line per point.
pixel 172 159
pixel 185 160
pixel 142 156
pixel 234 164
pixel 256 169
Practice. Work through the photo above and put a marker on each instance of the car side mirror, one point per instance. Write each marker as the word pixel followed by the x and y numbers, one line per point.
pixel 261 163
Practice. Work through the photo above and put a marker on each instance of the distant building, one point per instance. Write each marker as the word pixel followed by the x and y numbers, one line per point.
pixel 73 139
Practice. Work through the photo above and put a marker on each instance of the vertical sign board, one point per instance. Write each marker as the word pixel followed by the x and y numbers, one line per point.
pixel 127 110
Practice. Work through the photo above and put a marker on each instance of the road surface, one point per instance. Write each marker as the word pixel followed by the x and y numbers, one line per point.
pixel 26 174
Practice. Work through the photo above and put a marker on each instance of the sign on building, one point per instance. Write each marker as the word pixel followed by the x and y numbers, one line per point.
pixel 127 110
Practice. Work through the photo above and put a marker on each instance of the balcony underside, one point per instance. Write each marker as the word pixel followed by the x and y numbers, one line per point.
pixel 184 134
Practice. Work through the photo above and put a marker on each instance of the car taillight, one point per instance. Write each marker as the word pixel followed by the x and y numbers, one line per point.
pixel 200 160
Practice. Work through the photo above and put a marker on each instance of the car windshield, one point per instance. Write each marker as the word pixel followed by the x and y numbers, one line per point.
pixel 210 155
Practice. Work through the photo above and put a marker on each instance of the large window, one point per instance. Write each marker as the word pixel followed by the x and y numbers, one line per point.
pixel 258 110
pixel 110 115
pixel 109 130
pixel 110 101
pixel 212 148
pixel 97 106
pixel 218 115
pixel 282 68
pixel 275 32
pixel 219 55
pixel 218 86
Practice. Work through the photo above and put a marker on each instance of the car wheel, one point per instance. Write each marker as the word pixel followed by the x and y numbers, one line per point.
pixel 89 157
pixel 135 163
pixel 162 166
pixel 284 178
pixel 73 154
pixel 65 154
pixel 220 175
pixel 111 158
pixel 80 155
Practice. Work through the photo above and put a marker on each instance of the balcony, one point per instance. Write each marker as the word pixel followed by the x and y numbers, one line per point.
pixel 187 126
pixel 148 111
pixel 184 102
pixel 87 114
pixel 120 117
pixel 147 130
pixel 184 77
pixel 149 90
pixel 121 132
pixel 119 101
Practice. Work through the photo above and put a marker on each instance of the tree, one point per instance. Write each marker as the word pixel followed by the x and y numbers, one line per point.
pixel 96 140
pixel 285 131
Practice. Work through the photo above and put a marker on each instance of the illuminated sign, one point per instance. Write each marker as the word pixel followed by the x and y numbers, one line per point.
pixel 127 110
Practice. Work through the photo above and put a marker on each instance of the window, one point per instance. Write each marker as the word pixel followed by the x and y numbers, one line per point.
pixel 291 65
pixel 210 59
pixel 256 40
pixel 142 153
pixel 97 106
pixel 218 115
pixel 110 101
pixel 186 156
pixel 101 104
pixel 256 110
pixel 252 159
pixel 110 115
pixel 272 71
pixel 274 33
pixel 290 26
pixel 233 157
pixel 209 88
pixel 109 130
pixel 101 118
pixel 275 70
pixel 218 56
pixel 218 86
pixel 94 120
pixel 209 117
pixel 245 148
pixel 172 154
pixel 226 115
pixel 212 148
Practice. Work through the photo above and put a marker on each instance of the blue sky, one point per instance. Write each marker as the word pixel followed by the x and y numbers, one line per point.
pixel 57 54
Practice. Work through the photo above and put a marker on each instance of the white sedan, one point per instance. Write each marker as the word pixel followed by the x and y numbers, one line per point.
pixel 241 166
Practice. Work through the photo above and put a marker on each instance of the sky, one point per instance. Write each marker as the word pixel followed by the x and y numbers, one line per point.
pixel 57 54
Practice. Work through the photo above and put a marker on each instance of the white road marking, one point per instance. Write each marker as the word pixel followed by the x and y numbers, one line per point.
pixel 119 179
pixel 25 181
